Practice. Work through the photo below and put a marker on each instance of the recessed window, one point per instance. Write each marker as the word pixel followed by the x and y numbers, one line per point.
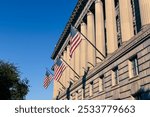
pixel 115 76
pixel 76 95
pixel 91 88
pixel 136 16
pixel 133 67
pixel 116 2
pixel 101 83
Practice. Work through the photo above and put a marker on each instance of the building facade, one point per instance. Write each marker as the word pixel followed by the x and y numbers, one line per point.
pixel 120 30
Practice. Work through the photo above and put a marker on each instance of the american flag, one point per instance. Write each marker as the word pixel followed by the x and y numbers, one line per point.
pixel 58 69
pixel 47 80
pixel 75 40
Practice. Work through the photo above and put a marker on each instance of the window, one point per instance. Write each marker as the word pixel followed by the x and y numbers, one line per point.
pixel 76 95
pixel 136 16
pixel 91 88
pixel 118 25
pixel 133 67
pixel 115 79
pixel 116 2
pixel 101 83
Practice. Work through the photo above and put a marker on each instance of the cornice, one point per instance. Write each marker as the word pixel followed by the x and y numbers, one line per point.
pixel 75 14
pixel 78 22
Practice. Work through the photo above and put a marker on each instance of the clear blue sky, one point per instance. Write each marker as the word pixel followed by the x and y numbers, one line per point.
pixel 29 31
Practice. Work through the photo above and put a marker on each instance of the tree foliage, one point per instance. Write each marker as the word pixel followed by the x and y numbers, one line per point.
pixel 11 86
pixel 142 94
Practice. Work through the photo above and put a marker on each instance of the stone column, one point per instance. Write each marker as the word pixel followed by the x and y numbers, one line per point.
pixel 65 72
pixel 91 36
pixel 62 78
pixel 99 23
pixel 126 18
pixel 68 69
pixel 72 61
pixel 55 89
pixel 77 59
pixel 112 43
pixel 145 11
pixel 83 49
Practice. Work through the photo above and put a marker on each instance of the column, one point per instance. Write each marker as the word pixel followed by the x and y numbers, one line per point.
pixel 68 69
pixel 77 59
pixel 56 87
pixel 65 72
pixel 145 11
pixel 112 43
pixel 91 37
pixel 72 61
pixel 62 78
pixel 83 49
pixel 100 36
pixel 55 90
pixel 126 18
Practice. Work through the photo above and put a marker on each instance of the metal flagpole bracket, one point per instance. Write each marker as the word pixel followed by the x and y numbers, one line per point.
pixel 91 43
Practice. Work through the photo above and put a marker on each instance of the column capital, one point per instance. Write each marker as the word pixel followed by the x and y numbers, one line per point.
pixel 65 51
pixel 89 13
pixel 98 1
pixel 68 46
pixel 83 23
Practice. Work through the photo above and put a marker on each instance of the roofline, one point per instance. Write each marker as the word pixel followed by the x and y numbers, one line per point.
pixel 72 20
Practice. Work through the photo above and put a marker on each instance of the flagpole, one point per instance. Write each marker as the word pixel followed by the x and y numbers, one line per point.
pixel 70 68
pixel 58 81
pixel 49 71
pixel 62 85
pixel 60 89
pixel 91 44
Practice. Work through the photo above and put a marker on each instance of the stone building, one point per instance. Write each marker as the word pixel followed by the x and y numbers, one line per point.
pixel 120 30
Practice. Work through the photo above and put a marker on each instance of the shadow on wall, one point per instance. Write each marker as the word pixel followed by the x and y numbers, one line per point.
pixel 142 94
pixel 84 81
pixel 68 91
pixel 83 86
pixel 57 98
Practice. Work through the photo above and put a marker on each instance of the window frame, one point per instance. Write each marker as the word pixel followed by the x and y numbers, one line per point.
pixel 115 76
pixel 76 95
pixel 101 83
pixel 91 87
pixel 133 66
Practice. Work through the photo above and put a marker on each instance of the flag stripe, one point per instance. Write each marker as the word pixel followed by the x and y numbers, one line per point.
pixel 59 68
pixel 58 74
pixel 75 40
pixel 47 81
pixel 59 71
pixel 75 44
